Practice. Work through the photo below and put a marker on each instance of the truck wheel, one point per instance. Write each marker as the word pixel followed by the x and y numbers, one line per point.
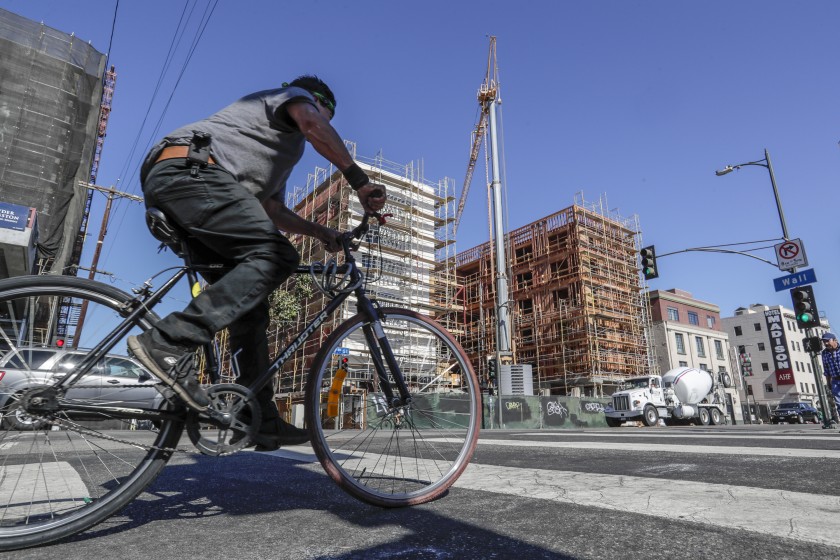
pixel 704 416
pixel 650 416
pixel 715 416
pixel 613 422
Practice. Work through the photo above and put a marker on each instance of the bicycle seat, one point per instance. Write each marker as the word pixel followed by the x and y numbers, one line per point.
pixel 163 230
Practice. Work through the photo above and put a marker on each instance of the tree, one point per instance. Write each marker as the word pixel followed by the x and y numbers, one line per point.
pixel 286 302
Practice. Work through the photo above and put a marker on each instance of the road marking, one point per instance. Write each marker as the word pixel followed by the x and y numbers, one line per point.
pixel 668 448
pixel 657 434
pixel 37 489
pixel 796 515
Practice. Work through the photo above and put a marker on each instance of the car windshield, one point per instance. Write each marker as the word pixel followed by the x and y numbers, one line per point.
pixel 788 406
pixel 642 383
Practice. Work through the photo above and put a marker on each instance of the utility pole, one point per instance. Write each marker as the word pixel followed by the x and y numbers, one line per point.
pixel 112 193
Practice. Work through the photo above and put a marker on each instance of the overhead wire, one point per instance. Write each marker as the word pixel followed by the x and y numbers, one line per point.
pixel 210 8
pixel 167 61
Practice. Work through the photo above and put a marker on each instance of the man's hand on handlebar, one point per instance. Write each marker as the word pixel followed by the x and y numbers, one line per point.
pixel 331 239
pixel 372 196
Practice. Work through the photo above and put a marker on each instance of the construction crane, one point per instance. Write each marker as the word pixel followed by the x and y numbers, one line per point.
pixel 488 99
pixel 487 94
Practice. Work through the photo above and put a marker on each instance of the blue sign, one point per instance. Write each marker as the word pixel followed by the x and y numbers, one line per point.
pixel 13 216
pixel 802 278
pixel 342 351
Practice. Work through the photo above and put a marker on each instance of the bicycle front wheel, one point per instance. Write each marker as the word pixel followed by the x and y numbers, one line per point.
pixel 382 452
pixel 64 471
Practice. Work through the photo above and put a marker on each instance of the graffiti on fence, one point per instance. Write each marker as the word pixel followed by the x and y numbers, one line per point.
pixel 591 407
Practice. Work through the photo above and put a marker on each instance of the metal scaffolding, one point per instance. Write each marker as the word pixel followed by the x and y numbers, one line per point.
pixel 408 263
pixel 579 315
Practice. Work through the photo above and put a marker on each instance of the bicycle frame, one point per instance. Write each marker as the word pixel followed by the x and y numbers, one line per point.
pixel 380 349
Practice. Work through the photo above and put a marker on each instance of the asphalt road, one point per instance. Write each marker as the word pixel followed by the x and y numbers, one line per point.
pixel 630 493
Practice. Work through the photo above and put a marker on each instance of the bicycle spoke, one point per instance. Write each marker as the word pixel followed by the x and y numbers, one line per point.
pixel 395 454
pixel 70 456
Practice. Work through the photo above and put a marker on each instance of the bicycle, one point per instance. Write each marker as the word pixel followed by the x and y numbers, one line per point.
pixel 90 453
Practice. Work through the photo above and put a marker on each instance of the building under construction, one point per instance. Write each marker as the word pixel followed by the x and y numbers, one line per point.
pixel 579 315
pixel 400 259
pixel 51 129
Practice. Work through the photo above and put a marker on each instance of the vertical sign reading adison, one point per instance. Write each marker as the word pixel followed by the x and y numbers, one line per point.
pixel 779 347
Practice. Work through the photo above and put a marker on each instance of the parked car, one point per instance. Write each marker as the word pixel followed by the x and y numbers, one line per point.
pixel 117 380
pixel 797 412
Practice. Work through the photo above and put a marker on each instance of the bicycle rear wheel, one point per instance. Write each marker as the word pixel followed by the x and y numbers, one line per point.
pixel 63 472
pixel 390 455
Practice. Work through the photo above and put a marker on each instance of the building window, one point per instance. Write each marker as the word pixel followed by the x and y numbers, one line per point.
pixel 683 364
pixel 738 331
pixel 693 319
pixel 797 366
pixel 704 367
pixel 749 390
pixel 768 387
pixel 761 346
pixel 813 388
pixel 673 314
pixel 809 367
pixel 701 348
pixel 802 387
pixel 719 349
pixel 721 369
pixel 710 321
pixel 765 366
pixel 680 343
pixel 757 326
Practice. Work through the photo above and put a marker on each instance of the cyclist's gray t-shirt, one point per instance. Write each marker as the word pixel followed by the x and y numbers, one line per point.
pixel 253 138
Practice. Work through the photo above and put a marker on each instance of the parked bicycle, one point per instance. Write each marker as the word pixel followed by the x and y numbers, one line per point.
pixel 90 450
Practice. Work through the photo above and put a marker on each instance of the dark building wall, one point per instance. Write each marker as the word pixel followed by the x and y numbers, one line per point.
pixel 50 92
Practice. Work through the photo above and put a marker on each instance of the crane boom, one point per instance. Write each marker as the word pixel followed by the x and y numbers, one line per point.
pixel 478 135
pixel 486 95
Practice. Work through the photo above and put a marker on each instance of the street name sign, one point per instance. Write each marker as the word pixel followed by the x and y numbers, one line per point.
pixel 791 254
pixel 801 278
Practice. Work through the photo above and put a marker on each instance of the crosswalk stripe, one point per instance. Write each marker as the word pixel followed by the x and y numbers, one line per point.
pixel 684 435
pixel 800 516
pixel 669 448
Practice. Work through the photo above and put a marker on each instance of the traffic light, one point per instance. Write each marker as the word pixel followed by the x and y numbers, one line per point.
pixel 491 369
pixel 746 365
pixel 812 344
pixel 649 268
pixel 805 307
pixel 59 342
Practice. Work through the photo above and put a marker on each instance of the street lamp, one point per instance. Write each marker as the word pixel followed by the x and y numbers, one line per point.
pixel 809 332
pixel 762 163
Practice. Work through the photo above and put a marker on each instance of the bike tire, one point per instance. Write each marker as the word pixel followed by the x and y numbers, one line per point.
pixel 56 483
pixel 387 456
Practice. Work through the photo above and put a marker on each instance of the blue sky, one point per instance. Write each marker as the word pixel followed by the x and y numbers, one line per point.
pixel 637 101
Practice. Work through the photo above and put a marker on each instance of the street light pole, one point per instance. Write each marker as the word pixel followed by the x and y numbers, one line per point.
pixel 776 195
pixel 808 332
pixel 766 163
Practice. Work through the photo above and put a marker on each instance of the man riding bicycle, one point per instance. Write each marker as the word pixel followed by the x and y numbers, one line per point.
pixel 223 181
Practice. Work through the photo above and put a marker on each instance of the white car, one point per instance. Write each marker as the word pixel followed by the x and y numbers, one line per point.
pixel 116 380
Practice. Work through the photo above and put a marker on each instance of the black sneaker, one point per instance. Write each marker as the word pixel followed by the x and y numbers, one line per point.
pixel 274 433
pixel 174 366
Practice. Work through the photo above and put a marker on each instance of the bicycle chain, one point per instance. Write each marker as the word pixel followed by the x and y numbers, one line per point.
pixel 72 426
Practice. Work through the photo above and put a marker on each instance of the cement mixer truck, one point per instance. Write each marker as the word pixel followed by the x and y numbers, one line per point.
pixel 683 395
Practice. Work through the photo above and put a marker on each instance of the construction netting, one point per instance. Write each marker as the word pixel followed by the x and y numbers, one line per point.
pixel 50 93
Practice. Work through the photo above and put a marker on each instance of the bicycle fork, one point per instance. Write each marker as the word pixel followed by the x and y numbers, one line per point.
pixel 378 345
